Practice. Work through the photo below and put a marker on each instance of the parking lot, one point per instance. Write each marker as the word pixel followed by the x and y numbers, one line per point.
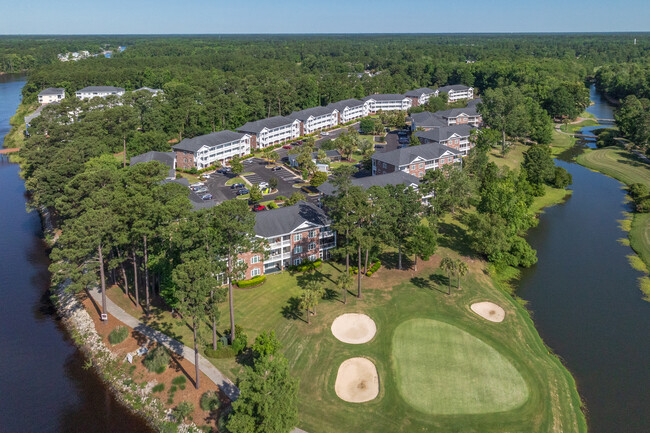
pixel 262 173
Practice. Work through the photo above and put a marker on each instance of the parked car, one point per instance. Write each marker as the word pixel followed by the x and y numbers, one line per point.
pixel 258 208
pixel 324 133
pixel 276 168
pixel 297 143
pixel 196 186
pixel 224 170
pixel 237 186
pixel 200 190
pixel 242 191
pixel 206 176
pixel 263 185
pixel 207 197
pixel 286 146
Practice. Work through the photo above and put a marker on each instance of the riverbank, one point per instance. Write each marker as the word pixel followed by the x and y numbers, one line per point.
pixel 16 136
pixel 627 168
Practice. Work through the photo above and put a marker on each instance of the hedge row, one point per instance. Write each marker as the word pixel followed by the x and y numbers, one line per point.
pixel 255 281
pixel 374 268
pixel 306 266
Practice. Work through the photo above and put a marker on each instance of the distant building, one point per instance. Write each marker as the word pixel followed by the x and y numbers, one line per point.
pixel 427 120
pixel 461 116
pixel 394 178
pixel 456 137
pixel 415 160
pixel 271 131
pixel 98 91
pixel 456 92
pixel 421 96
pixel 387 102
pixel 51 94
pixel 205 150
pixel 316 119
pixel 153 91
pixel 167 158
pixel 349 109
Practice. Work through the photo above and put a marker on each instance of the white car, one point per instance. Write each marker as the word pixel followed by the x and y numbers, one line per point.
pixel 324 133
pixel 263 185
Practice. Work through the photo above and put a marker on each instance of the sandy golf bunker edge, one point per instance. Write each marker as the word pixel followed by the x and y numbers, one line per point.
pixel 357 380
pixel 354 328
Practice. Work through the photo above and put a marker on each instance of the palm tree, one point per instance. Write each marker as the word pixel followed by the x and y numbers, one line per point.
pixel 343 282
pixel 448 265
pixel 461 270
pixel 308 300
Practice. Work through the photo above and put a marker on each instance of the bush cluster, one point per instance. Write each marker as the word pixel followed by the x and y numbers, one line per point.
pixel 210 401
pixel 641 196
pixel 374 268
pixel 255 281
pixel 118 335
pixel 157 360
pixel 179 381
pixel 307 265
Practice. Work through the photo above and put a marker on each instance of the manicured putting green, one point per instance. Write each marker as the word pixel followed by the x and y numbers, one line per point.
pixel 443 370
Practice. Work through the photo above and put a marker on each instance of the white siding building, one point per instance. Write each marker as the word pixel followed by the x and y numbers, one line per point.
pixel 457 91
pixel 316 119
pixel 271 131
pixel 421 96
pixel 387 102
pixel 349 109
pixel 205 150
pixel 98 91
pixel 51 94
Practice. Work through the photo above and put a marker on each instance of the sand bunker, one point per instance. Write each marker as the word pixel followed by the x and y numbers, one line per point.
pixel 357 380
pixel 353 328
pixel 489 311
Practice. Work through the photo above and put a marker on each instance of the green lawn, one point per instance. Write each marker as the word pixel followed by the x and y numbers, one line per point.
pixel 561 142
pixel 441 369
pixel 552 197
pixel 234 180
pixel 575 127
pixel 512 159
pixel 192 178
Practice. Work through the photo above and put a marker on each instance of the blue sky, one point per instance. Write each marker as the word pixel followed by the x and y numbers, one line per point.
pixel 324 16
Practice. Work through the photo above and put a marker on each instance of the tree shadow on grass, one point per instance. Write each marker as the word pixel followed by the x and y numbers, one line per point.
pixel 435 282
pixel 455 238
pixel 390 260
pixel 291 311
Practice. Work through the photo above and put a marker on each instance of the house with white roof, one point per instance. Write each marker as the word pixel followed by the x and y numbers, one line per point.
pixel 457 92
pixel 98 92
pixel 271 131
pixel 349 110
pixel 316 119
pixel 51 94
pixel 206 150
pixel 387 102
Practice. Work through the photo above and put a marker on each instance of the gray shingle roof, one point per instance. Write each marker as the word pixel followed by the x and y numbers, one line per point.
pixel 417 92
pixel 90 89
pixel 406 155
pixel 473 102
pixel 167 158
pixel 427 119
pixel 52 91
pixel 276 222
pixel 385 97
pixel 271 123
pixel 395 178
pixel 149 89
pixel 456 87
pixel 340 105
pixel 443 134
pixel 314 111
pixel 455 112
pixel 213 139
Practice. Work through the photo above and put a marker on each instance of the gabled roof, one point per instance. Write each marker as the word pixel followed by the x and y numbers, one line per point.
pixel 52 91
pixel 341 105
pixel 276 222
pixel 455 112
pixel 167 158
pixel 419 92
pixel 406 155
pixel 270 123
pixel 308 112
pixel 456 87
pixel 473 102
pixel 395 178
pixel 444 133
pixel 427 119
pixel 149 89
pixel 213 139
pixel 385 97
pixel 98 89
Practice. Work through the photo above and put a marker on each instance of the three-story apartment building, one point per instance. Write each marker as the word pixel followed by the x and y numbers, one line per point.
pixel 51 94
pixel 456 92
pixel 387 102
pixel 205 150
pixel 271 131
pixel 421 96
pixel 456 137
pixel 349 109
pixel 461 116
pixel 415 160
pixel 98 92
pixel 316 119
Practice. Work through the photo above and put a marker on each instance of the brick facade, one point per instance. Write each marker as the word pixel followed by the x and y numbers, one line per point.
pixel 184 160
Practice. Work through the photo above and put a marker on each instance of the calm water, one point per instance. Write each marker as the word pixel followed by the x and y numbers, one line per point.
pixel 43 385
pixel 586 302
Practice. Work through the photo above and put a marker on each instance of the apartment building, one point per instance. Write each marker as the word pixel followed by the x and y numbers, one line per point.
pixel 387 102
pixel 154 92
pixel 271 131
pixel 206 150
pixel 427 120
pixel 461 116
pixel 167 158
pixel 456 137
pixel 420 96
pixel 98 91
pixel 457 92
pixel 51 94
pixel 316 119
pixel 293 234
pixel 415 160
pixel 349 110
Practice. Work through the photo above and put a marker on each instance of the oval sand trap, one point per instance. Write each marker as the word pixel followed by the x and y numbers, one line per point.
pixel 354 328
pixel 357 381
pixel 489 311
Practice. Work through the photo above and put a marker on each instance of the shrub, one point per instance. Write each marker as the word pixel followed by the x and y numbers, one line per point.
pixel 374 268
pixel 210 401
pixel 183 410
pixel 307 265
pixel 272 205
pixel 638 190
pixel 354 270
pixel 281 197
pixel 158 388
pixel 157 359
pixel 241 340
pixel 118 335
pixel 255 281
pixel 180 381
pixel 643 206
pixel 561 178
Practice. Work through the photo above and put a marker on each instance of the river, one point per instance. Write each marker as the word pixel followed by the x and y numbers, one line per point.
pixel 585 299
pixel 43 383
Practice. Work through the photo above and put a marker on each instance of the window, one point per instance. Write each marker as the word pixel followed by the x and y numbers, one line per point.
pixel 240 261
pixel 312 234
pixel 313 257
pixel 255 259
pixel 311 246
pixel 297 262
pixel 297 237
pixel 297 249
pixel 255 272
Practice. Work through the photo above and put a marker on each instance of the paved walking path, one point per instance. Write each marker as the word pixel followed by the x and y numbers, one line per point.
pixel 205 366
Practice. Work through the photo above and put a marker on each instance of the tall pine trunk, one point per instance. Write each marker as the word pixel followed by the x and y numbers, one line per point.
pixel 214 324
pixel 146 275
pixel 102 277
pixel 135 279
pixel 399 256
pixel 196 354
pixel 365 266
pixel 415 265
pixel 359 274
pixel 231 305
pixel 347 253
pixel 123 272
pixel 503 145
pixel 124 155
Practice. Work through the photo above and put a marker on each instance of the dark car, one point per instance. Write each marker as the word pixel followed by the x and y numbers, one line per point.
pixel 200 190
pixel 224 170
pixel 242 191
pixel 237 186
pixel 276 168
pixel 258 208
pixel 297 143
pixel 207 197
pixel 286 146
